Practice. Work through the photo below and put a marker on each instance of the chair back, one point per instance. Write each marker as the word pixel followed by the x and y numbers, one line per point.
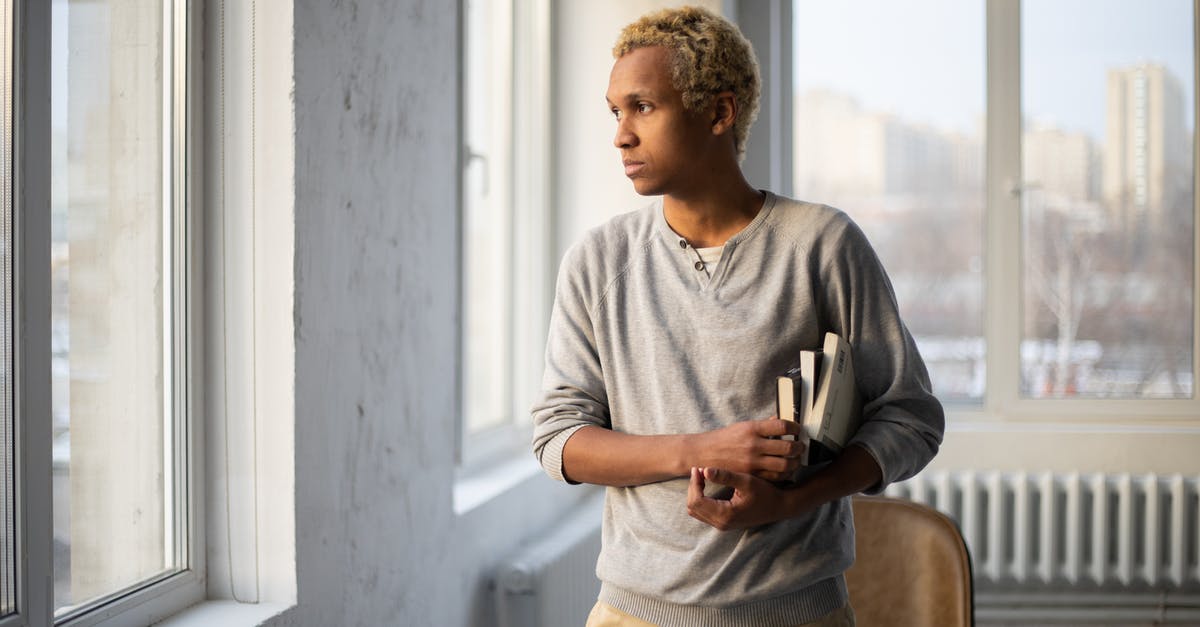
pixel 912 566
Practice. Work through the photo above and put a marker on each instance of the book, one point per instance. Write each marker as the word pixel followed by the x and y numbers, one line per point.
pixel 837 406
pixel 810 363
pixel 824 399
pixel 789 397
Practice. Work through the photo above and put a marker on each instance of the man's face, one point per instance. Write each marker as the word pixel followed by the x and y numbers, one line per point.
pixel 661 143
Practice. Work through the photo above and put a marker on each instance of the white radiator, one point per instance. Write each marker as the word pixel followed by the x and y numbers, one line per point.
pixel 1106 548
pixel 553 582
pixel 1049 528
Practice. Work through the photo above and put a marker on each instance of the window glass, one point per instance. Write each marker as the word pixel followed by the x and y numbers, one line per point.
pixel 889 127
pixel 1107 199
pixel 111 295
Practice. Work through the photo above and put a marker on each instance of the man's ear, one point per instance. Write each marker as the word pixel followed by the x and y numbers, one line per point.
pixel 724 112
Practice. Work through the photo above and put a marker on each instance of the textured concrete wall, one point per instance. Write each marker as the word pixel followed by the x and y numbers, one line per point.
pixel 375 312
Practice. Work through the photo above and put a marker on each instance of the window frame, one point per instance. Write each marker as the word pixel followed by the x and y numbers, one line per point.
pixel 31 246
pixel 1003 289
pixel 1002 402
pixel 152 599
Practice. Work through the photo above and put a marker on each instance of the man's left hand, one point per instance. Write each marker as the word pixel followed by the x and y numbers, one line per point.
pixel 754 501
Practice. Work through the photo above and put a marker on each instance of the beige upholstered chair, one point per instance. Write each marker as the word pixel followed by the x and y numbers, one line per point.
pixel 912 567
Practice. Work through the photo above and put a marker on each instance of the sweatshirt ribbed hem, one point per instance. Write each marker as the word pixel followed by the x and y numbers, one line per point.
pixel 796 608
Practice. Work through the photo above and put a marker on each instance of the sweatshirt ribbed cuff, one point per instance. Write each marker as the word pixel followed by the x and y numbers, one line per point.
pixel 552 454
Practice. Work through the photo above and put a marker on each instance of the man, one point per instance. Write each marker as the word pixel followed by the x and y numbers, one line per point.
pixel 669 326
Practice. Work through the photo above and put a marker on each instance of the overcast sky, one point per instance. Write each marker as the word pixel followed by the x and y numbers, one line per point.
pixel 924 59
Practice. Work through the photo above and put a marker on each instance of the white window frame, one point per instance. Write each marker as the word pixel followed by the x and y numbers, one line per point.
pixel 532 247
pixel 768 25
pixel 1003 291
pixel 154 599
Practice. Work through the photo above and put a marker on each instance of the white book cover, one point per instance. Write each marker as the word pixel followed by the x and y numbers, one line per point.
pixel 837 408
pixel 788 397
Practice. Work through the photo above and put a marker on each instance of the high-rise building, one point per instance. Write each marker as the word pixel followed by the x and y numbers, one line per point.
pixel 1059 163
pixel 1146 146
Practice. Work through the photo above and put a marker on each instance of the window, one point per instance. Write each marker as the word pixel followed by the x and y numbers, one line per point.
pixel 114 275
pixel 116 253
pixel 487 215
pixel 103 453
pixel 505 243
pixel 1107 200
pixel 1041 239
pixel 890 130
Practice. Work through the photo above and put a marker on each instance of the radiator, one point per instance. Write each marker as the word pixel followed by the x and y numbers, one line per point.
pixel 1094 529
pixel 1046 549
pixel 553 582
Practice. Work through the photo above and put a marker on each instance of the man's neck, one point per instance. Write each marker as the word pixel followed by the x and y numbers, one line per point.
pixel 714 213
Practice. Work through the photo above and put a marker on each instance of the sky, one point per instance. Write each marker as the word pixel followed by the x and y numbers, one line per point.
pixel 924 59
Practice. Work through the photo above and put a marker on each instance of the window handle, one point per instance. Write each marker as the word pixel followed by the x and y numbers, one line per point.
pixel 473 156
pixel 1017 188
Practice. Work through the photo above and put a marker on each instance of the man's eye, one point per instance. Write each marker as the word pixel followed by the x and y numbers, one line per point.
pixel 616 113
pixel 643 108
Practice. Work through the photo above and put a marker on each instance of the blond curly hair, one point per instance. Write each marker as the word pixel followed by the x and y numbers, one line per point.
pixel 709 55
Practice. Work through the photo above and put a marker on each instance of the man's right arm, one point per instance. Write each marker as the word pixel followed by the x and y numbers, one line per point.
pixel 602 456
pixel 573 436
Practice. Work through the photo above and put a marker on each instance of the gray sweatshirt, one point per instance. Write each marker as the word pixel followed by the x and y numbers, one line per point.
pixel 643 341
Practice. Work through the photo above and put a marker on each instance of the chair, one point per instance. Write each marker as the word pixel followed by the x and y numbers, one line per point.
pixel 912 567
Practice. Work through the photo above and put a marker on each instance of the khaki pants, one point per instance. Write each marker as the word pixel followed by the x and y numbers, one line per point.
pixel 604 615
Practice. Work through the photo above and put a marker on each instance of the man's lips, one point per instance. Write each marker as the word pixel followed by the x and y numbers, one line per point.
pixel 633 167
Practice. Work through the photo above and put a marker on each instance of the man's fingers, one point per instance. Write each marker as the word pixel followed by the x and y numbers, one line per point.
pixel 735 480
pixel 706 510
pixel 773 427
pixel 695 486
pixel 783 448
pixel 777 463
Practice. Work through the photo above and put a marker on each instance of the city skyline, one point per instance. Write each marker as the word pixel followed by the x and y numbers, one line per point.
pixel 883 152
pixel 925 60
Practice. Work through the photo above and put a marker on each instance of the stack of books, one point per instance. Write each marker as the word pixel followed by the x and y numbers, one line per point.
pixel 821 395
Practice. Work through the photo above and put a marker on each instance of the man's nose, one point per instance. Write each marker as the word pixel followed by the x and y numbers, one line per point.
pixel 625 138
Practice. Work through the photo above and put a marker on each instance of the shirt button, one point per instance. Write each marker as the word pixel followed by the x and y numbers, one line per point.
pixel 683 243
pixel 699 265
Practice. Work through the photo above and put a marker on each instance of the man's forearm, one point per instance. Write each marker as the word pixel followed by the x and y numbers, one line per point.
pixel 605 457
pixel 853 471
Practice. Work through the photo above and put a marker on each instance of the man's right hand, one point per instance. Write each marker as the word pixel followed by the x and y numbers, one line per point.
pixel 753 447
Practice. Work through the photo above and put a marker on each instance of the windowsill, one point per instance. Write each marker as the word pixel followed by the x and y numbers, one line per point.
pixel 224 612
pixel 482 484
pixel 974 420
